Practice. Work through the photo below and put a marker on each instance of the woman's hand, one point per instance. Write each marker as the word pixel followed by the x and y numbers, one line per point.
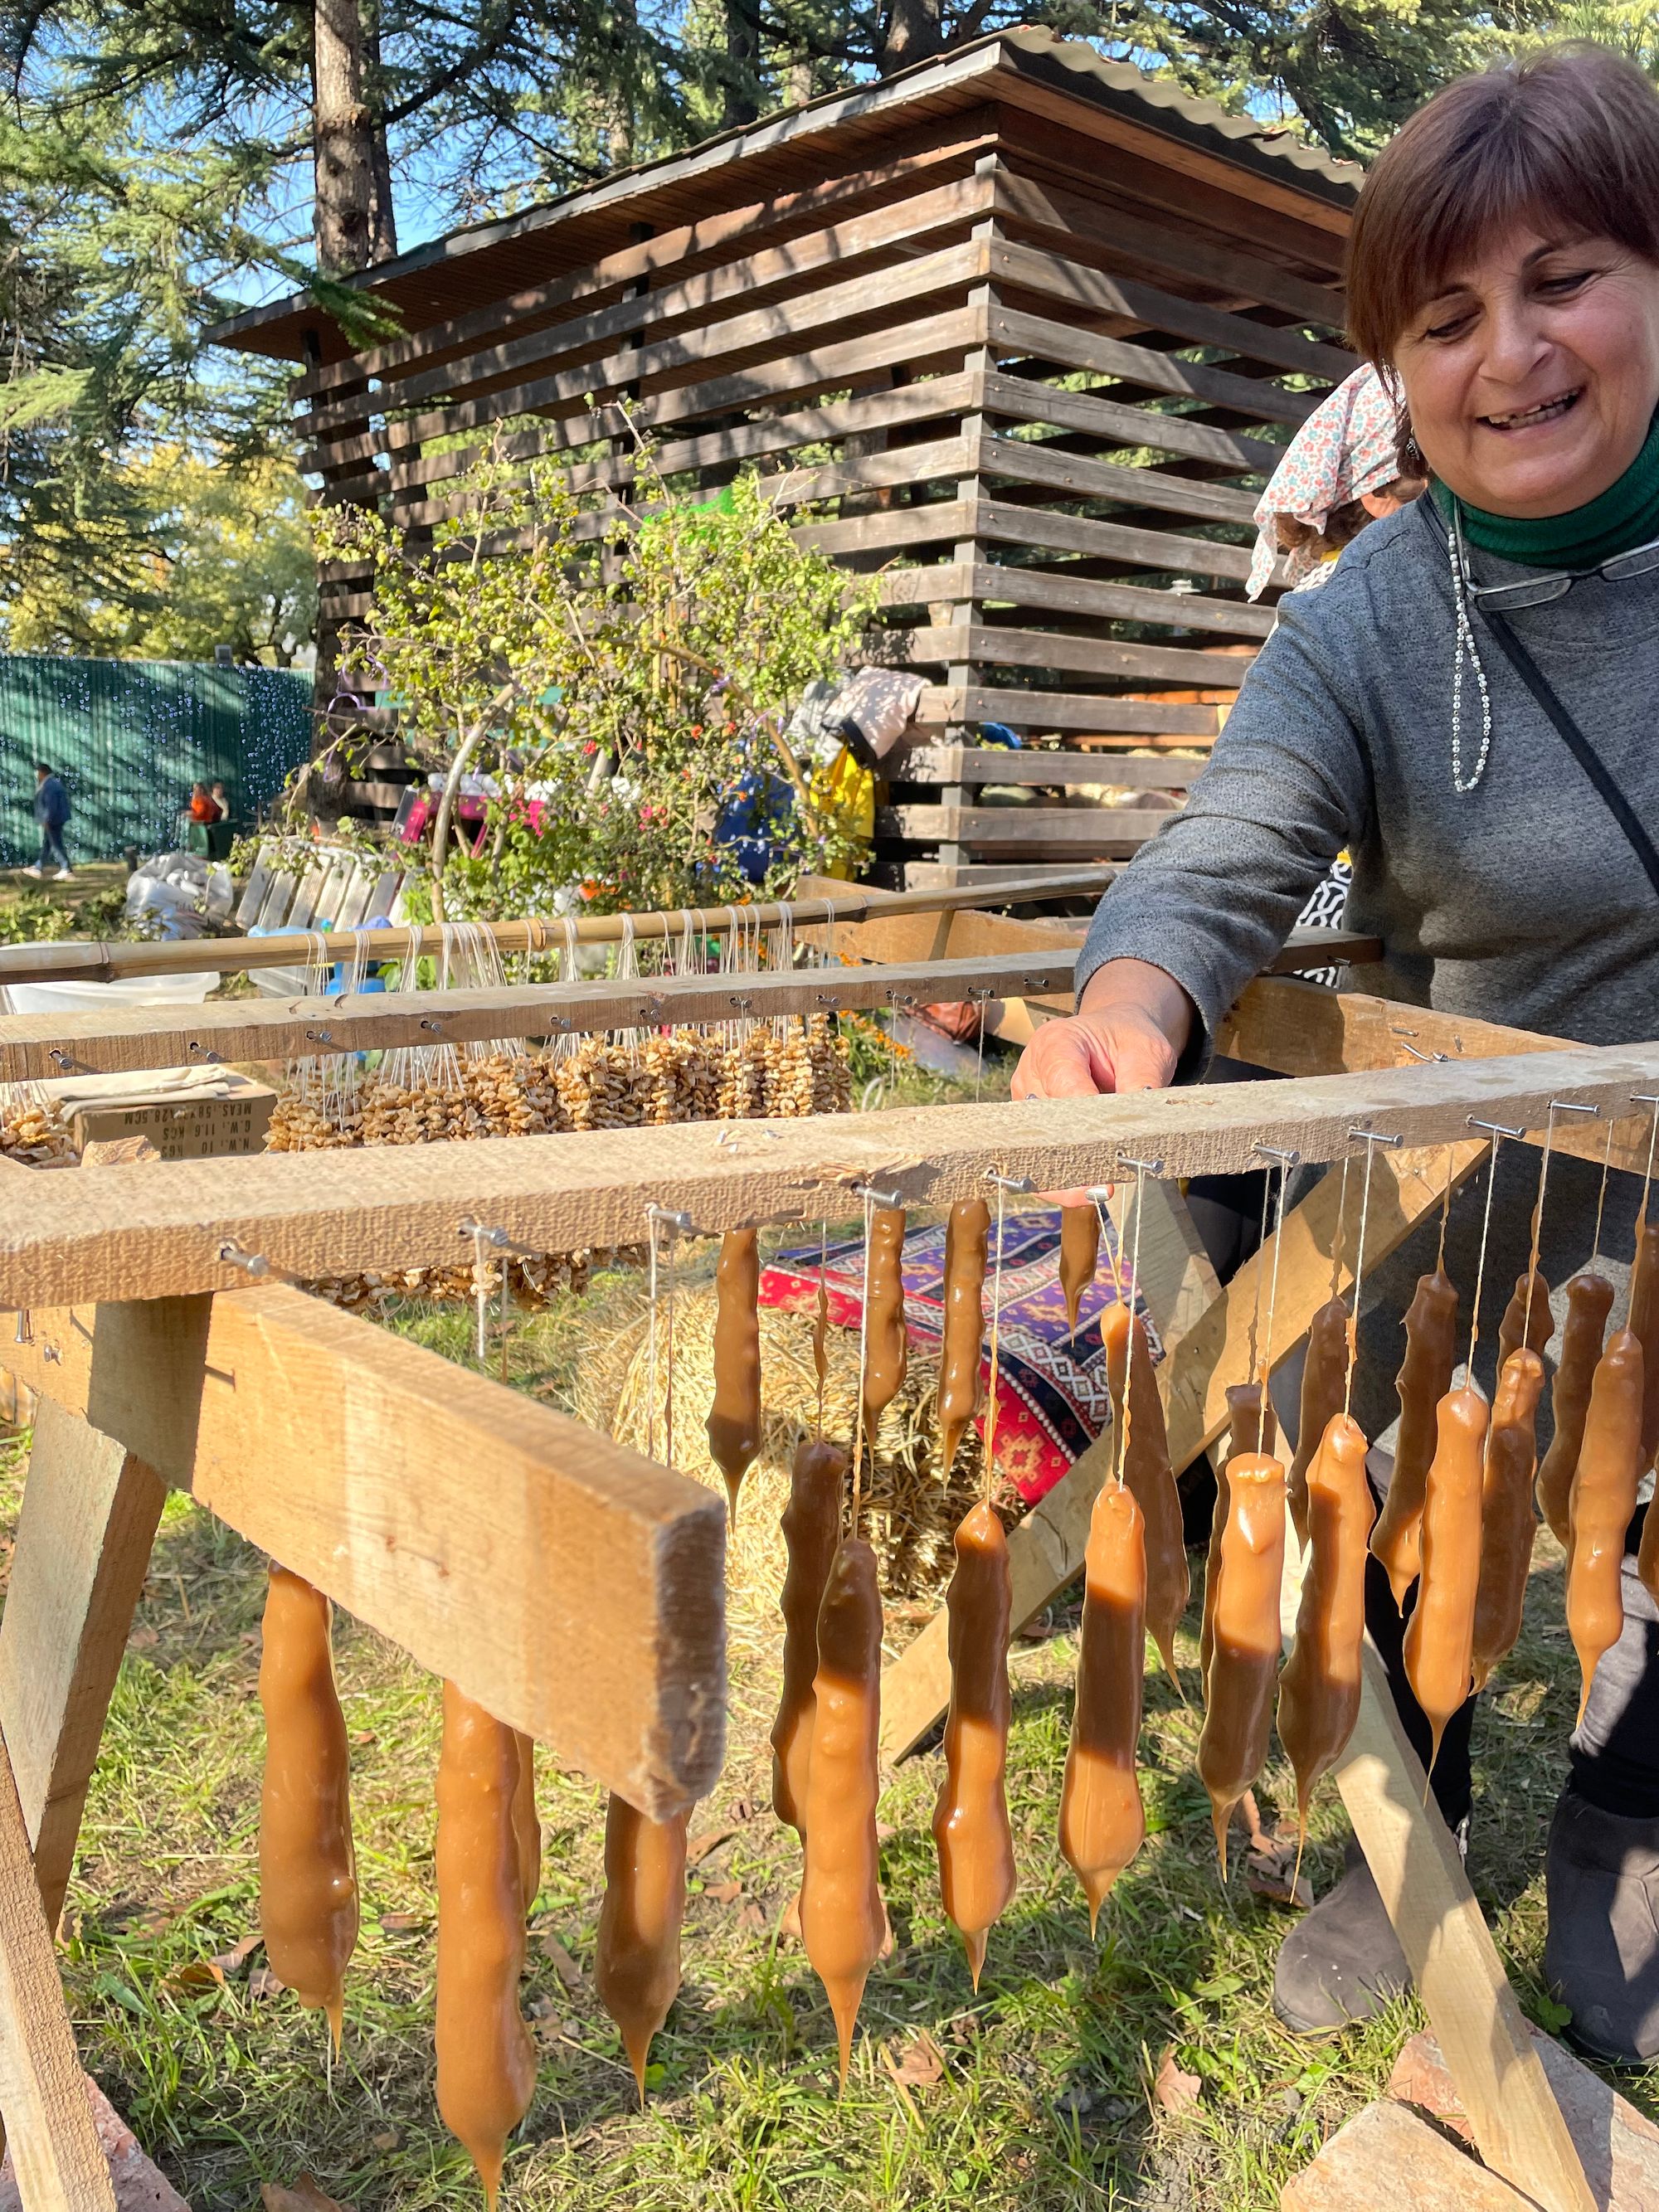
pixel 1128 1034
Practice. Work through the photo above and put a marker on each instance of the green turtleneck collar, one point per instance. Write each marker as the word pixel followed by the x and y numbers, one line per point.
pixel 1627 515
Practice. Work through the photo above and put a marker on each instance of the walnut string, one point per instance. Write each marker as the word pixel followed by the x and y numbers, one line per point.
pixel 650 1337
pixel 821 1318
pixel 1255 1311
pixel 1122 1453
pixel 1601 1199
pixel 864 1363
pixel 1342 1230
pixel 1445 1215
pixel 1480 1262
pixel 1359 1277
pixel 996 1313
pixel 1538 1221
pixel 1272 1288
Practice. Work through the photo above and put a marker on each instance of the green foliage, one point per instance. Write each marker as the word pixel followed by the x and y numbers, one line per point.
pixel 621 678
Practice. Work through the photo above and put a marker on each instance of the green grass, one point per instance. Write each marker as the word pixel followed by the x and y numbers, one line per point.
pixel 1042 2096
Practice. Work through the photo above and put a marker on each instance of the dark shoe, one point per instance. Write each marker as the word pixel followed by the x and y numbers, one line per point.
pixel 1341 1962
pixel 1601 1953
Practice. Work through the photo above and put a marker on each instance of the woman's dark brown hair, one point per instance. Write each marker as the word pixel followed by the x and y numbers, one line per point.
pixel 1572 135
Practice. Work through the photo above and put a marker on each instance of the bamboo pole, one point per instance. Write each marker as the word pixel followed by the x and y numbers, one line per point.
pixel 97 962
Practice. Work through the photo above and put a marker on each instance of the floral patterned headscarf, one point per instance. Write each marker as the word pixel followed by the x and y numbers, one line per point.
pixel 1348 445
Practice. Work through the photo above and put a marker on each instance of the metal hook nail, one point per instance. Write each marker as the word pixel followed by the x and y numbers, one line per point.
pixel 319 1036
pixel 1021 1183
pixel 1140 1167
pixel 670 1218
pixel 1430 1057
pixel 890 1199
pixel 1376 1137
pixel 60 1059
pixel 251 1263
pixel 25 1334
pixel 1573 1106
pixel 1289 1159
pixel 436 1027
pixel 1498 1128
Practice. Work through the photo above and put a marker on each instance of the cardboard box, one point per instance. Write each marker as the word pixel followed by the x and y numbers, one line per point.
pixel 187 1114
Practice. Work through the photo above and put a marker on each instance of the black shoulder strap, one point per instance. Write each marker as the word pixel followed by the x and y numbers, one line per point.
pixel 1575 742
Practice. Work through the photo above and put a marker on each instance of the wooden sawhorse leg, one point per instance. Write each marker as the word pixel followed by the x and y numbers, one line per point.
pixel 90 1511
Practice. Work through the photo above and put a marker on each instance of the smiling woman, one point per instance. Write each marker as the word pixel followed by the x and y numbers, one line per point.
pixel 1467 705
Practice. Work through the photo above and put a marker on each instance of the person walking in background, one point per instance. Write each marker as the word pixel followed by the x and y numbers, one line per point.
pixel 51 812
pixel 220 798
pixel 202 808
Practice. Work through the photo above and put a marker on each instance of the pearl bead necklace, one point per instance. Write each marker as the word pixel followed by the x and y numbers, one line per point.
pixel 1467 649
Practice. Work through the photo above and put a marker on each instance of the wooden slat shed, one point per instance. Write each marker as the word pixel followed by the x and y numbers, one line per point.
pixel 1044 322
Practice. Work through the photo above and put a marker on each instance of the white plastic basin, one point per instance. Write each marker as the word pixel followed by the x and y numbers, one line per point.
pixel 70 997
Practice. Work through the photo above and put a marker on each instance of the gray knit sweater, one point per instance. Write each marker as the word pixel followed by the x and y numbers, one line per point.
pixel 1519 901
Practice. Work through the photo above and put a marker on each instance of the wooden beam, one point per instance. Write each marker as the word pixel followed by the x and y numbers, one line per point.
pixel 571 1587
pixel 1088 828
pixel 1513 2114
pixel 55 2155
pixel 42 1046
pixel 132 1233
pixel 982 765
pixel 1046 1549
pixel 90 1515
pixel 1298 1028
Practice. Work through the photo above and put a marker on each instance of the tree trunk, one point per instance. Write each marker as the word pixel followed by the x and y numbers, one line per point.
pixel 742 73
pixel 343 141
pixel 915 33
pixel 382 216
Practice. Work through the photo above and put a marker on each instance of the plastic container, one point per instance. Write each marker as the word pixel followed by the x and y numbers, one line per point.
pixel 70 997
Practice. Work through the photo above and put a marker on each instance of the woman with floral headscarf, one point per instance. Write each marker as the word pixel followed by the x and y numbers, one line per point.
pixel 1341 471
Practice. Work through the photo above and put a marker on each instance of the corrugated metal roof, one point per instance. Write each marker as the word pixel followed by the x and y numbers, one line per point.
pixel 953 80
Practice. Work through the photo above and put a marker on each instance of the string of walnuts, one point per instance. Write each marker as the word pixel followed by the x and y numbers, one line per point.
pixel 33 1132
pixel 679 1075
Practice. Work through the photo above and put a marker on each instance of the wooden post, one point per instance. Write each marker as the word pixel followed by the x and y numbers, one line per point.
pixel 55 2155
pixel 90 1510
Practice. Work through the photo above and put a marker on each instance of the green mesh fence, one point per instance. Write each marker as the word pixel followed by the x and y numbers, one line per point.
pixel 129 738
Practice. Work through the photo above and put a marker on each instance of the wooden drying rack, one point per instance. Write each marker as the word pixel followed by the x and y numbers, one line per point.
pixel 359 1459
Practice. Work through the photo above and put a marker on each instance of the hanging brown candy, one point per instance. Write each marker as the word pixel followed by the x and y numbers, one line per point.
pixel 970 1820
pixel 1101 1821
pixel 1319 1689
pixel 811 1533
pixel 1644 1323
pixel 1245 1437
pixel 1603 1504
pixel 636 1959
pixel 308 1866
pixel 843 1922
pixel 1146 1469
pixel 887 1355
pixel 734 1419
pixel 486 2060
pixel 1232 1746
pixel 1529 1309
pixel 1324 1385
pixel 1589 1301
pixel 1440 1634
pixel 1424 1380
pixel 1079 1255
pixel 1507 1525
pixel 966 1231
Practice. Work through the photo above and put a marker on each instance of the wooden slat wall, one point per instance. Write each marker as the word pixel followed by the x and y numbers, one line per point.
pixel 1043 375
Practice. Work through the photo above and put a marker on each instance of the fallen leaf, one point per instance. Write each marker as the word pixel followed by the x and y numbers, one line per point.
pixel 724 1893
pixel 304 2197
pixel 699 1846
pixel 920 2063
pixel 562 1963
pixel 399 1924
pixel 1272 1875
pixel 365 1736
pixel 751 1917
pixel 789 1921
pixel 143 1638
pixel 1172 2090
pixel 387 2141
pixel 263 1982
pixel 233 1962
pixel 199 1974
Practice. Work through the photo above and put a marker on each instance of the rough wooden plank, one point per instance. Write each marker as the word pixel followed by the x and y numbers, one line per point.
pixel 43 1046
pixel 137 1232
pixel 1059 710
pixel 1097 828
pixel 1166 248
pixel 1027 460
pixel 1111 421
pixel 1002 521
pixel 59 2161
pixel 988 646
pixel 571 1587
pixel 1046 1550
pixel 1065 591
pixel 1517 2122
pixel 1057 276
pixel 1064 346
pixel 982 765
pixel 88 1519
